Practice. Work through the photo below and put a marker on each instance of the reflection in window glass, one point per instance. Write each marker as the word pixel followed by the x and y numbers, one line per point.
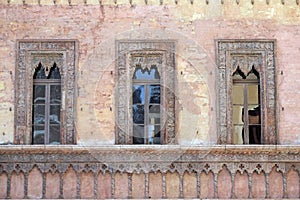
pixel 138 114
pixel 138 95
pixel 146 74
pixel 39 72
pixel 38 134
pixel 54 73
pixel 246 108
pixel 46 106
pixel 146 112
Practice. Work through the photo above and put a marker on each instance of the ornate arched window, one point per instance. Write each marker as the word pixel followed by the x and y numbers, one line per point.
pixel 246 92
pixel 45 92
pixel 145 99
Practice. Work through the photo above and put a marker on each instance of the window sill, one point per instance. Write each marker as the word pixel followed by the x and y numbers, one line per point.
pixel 215 149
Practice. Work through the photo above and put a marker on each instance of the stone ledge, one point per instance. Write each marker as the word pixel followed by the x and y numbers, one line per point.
pixel 224 149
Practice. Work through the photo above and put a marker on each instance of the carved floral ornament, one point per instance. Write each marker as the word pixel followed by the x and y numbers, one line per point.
pixel 181 160
pixel 47 61
pixel 145 61
pixel 245 63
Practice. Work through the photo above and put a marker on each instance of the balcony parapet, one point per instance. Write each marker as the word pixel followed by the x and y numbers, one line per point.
pixel 125 158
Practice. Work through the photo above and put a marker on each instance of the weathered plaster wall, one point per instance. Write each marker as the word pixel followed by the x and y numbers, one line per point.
pixel 195 27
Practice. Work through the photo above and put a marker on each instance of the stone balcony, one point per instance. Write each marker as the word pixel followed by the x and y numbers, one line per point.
pixel 265 171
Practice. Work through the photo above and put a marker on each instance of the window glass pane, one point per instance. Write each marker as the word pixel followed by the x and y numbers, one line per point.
pixel 238 134
pixel 254 114
pixel 55 94
pixel 39 114
pixel 238 115
pixel 254 134
pixel 154 118
pixel 154 94
pixel 253 75
pixel 138 134
pixel 253 95
pixel 138 114
pixel 146 73
pixel 39 94
pixel 54 73
pixel 154 114
pixel 54 114
pixel 39 72
pixel 154 134
pixel 154 109
pixel 238 74
pixel 238 94
pixel 138 94
pixel 54 136
pixel 38 134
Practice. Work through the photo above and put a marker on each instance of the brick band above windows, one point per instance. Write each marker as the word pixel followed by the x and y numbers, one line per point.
pixel 45 54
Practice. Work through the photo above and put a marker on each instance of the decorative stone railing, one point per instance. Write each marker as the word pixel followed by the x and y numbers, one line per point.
pixel 149 171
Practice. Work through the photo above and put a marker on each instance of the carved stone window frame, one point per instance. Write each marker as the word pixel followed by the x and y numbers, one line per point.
pixel 29 54
pixel 246 54
pixel 163 52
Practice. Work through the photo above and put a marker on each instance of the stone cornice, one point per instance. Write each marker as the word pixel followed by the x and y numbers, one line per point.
pixel 281 152
pixel 129 159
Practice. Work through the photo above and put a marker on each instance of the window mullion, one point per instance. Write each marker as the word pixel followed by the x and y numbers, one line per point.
pixel 47 114
pixel 246 117
pixel 146 115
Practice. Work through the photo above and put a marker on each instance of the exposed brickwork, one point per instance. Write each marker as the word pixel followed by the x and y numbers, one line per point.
pixel 70 184
pixel 207 185
pixel 138 186
pixel 35 184
pixel 104 186
pixel 3 185
pixel 87 185
pixel 155 186
pixel 17 183
pixel 258 187
pixel 121 186
pixel 292 184
pixel 241 186
pixel 52 186
pixel 190 185
pixel 275 184
pixel 172 185
pixel 224 184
